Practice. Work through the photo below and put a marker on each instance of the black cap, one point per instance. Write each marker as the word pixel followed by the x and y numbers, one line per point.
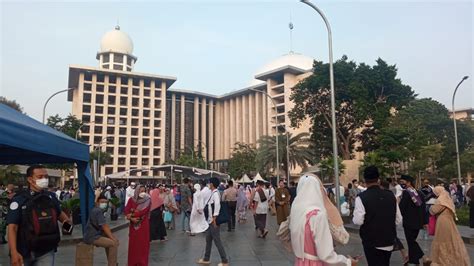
pixel 407 178
pixel 214 181
pixel 371 173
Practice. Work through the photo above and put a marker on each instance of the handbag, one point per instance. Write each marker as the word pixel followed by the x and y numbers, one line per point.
pixel 432 223
pixel 167 216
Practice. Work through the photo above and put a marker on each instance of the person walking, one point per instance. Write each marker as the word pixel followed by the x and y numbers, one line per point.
pixel 282 202
pixel 137 212
pixel 309 227
pixel 260 199
pixel 170 207
pixel 211 212
pixel 242 204
pixel 30 246
pixel 129 192
pixel 470 195
pixel 292 190
pixel 98 232
pixel 230 197
pixel 377 213
pixel 157 225
pixel 197 222
pixel 412 207
pixel 186 205
pixel 447 247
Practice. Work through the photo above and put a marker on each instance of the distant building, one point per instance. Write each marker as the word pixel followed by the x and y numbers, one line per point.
pixel 463 114
pixel 143 122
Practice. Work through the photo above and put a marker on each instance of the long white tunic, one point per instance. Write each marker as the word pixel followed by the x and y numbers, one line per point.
pixel 197 222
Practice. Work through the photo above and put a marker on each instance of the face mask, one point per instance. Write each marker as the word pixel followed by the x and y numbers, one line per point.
pixel 404 186
pixel 103 206
pixel 142 195
pixel 42 183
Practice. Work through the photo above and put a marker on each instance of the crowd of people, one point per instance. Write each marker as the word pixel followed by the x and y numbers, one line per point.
pixel 309 222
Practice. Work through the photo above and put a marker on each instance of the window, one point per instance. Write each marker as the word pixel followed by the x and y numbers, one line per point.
pixel 136 82
pixel 135 102
pixel 123 121
pixel 111 110
pixel 118 58
pixel 157 103
pixel 87 97
pixel 134 132
pixel 106 58
pixel 112 89
pixel 110 130
pixel 136 92
pixel 110 120
pixel 146 83
pixel 86 118
pixel 146 113
pixel 109 150
pixel 123 111
pixel 134 141
pixel 157 113
pixel 86 108
pixel 122 141
pixel 109 170
pixel 129 61
pixel 145 151
pixel 88 76
pixel 146 122
pixel 156 152
pixel 157 132
pixel 157 92
pixel 112 79
pixel 145 161
pixel 99 99
pixel 97 129
pixel 156 161
pixel 146 132
pixel 133 151
pixel 99 88
pixel 85 139
pixel 157 142
pixel 157 123
pixel 98 120
pixel 146 93
pixel 146 103
pixel 135 112
pixel 118 67
pixel 121 160
pixel 123 131
pixel 111 99
pixel 124 80
pixel 99 109
pixel 133 161
pixel 123 100
pixel 100 77
pixel 97 139
pixel 145 142
pixel 124 90
pixel 129 69
pixel 85 129
pixel 87 86
pixel 122 151
pixel 134 122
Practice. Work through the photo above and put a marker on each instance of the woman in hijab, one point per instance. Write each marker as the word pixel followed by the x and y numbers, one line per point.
pixel 138 212
pixel 197 222
pixel 242 203
pixel 157 225
pixel 447 247
pixel 309 227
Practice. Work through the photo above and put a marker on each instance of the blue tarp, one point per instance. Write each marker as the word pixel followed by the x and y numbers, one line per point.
pixel 24 140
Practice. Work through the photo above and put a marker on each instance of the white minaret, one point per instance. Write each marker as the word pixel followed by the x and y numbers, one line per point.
pixel 116 51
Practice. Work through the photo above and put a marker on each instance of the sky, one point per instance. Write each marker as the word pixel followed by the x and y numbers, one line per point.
pixel 217 46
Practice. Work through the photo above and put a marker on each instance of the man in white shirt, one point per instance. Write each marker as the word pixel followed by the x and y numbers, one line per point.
pixel 129 192
pixel 376 211
pixel 212 208
pixel 261 199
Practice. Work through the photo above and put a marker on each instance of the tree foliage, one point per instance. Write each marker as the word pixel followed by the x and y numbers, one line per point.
pixel 9 174
pixel 365 96
pixel 243 160
pixel 327 169
pixel 190 158
pixel 298 151
pixel 11 103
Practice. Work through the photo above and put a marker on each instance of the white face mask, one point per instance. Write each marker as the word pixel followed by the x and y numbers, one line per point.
pixel 103 205
pixel 142 195
pixel 42 183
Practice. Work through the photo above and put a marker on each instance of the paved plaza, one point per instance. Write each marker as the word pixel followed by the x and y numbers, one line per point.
pixel 242 247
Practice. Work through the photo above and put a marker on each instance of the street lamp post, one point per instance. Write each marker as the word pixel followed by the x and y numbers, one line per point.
pixel 333 101
pixel 46 103
pixel 99 147
pixel 276 137
pixel 456 131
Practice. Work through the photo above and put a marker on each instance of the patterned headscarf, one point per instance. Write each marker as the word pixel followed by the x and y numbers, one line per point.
pixel 142 203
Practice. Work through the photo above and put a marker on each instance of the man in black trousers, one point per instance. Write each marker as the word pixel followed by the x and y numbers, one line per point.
pixel 377 213
pixel 412 207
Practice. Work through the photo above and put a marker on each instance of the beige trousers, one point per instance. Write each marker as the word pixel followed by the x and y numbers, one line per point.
pixel 111 248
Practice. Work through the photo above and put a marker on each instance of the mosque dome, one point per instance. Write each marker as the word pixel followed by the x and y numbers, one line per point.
pixel 116 41
pixel 291 59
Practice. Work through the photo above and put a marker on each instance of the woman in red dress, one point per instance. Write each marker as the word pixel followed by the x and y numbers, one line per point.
pixel 138 212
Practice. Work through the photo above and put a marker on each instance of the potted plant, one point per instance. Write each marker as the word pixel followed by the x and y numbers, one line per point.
pixel 72 209
pixel 115 204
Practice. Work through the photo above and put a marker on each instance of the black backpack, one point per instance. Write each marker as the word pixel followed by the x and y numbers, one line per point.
pixel 39 224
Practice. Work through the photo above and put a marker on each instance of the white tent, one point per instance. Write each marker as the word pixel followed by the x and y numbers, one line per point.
pixel 259 177
pixel 245 179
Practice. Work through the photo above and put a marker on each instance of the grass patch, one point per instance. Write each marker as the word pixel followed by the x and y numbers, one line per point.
pixel 463 215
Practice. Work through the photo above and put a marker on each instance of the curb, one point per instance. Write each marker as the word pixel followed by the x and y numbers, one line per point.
pixel 75 240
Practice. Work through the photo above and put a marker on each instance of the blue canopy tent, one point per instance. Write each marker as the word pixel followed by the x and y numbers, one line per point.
pixel 24 140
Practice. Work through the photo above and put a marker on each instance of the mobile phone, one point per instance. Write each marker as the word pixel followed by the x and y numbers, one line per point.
pixel 67 227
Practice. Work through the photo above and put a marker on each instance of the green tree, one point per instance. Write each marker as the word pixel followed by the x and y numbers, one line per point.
pixel 9 174
pixel 374 158
pixel 298 151
pixel 68 125
pixel 11 103
pixel 365 97
pixel 327 168
pixel 243 160
pixel 105 157
pixel 190 158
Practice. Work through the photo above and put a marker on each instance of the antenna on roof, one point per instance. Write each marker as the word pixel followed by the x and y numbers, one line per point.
pixel 290 26
pixel 118 25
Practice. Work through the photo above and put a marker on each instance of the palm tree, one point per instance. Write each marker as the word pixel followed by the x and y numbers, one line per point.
pixel 298 151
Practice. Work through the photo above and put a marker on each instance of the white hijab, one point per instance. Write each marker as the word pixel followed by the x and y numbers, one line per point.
pixel 308 198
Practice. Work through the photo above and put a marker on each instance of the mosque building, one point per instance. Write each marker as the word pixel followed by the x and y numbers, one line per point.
pixel 143 121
